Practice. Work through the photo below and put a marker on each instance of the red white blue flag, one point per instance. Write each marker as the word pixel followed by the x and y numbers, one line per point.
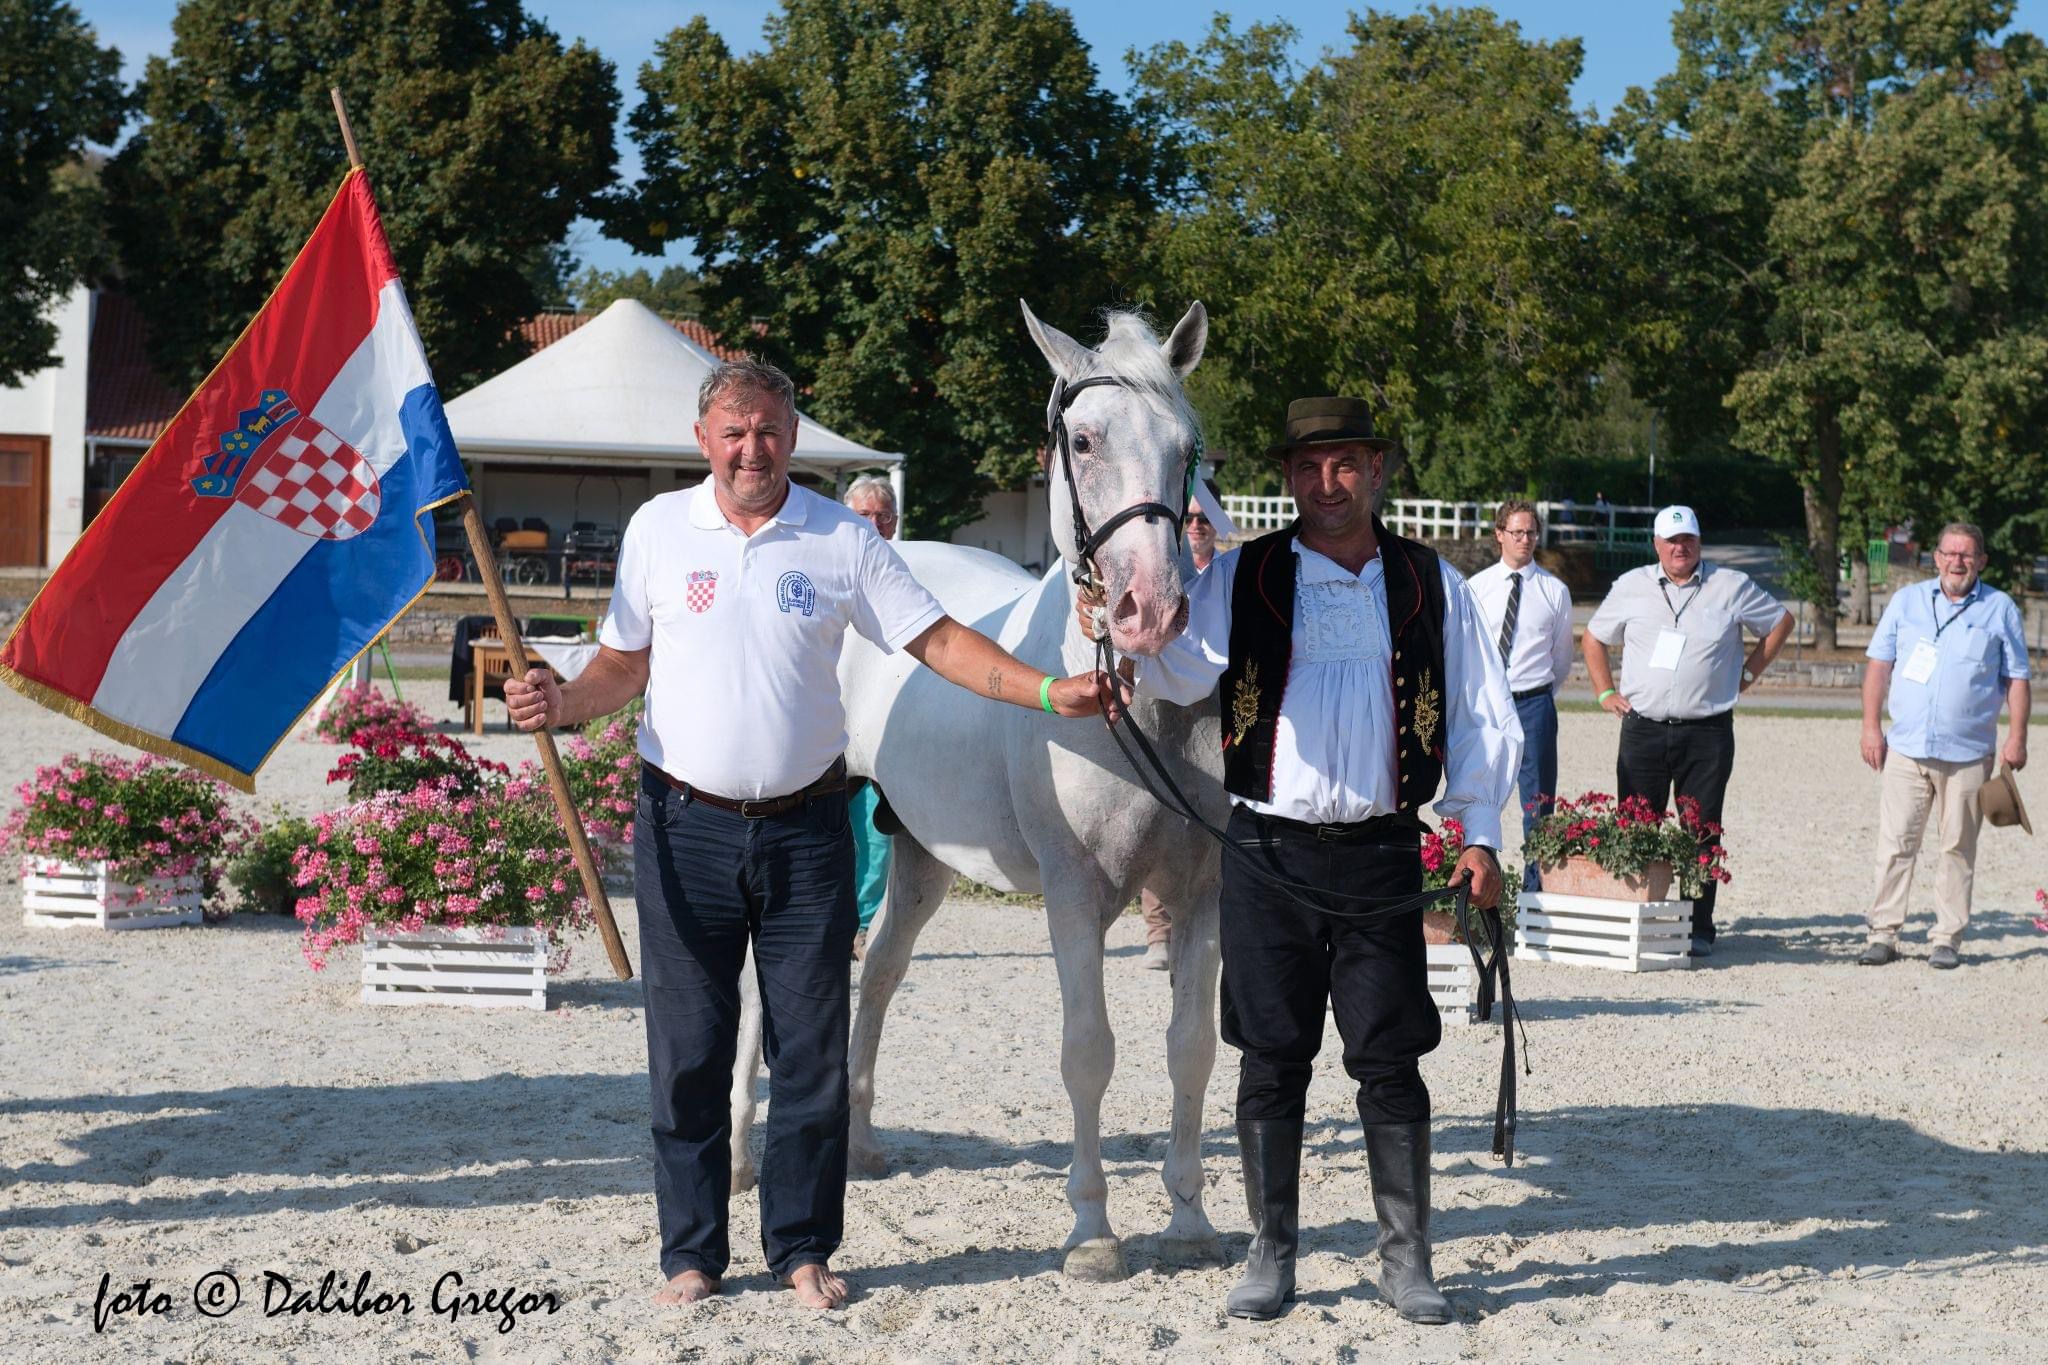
pixel 272 532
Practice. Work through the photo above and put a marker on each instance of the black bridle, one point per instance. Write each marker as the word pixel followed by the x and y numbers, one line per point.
pixel 1492 968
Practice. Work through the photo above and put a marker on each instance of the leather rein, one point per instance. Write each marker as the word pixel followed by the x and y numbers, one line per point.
pixel 1491 968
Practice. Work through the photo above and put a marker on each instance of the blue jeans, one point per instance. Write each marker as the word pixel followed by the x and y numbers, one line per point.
pixel 1536 784
pixel 709 881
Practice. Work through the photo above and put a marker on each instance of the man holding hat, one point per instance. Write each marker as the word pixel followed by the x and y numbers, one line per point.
pixel 1357 676
pixel 1680 623
pixel 1944 656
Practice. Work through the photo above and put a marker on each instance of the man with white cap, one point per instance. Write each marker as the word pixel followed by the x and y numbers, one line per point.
pixel 1680 622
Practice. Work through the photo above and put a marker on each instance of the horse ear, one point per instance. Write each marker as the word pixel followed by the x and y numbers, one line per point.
pixel 1190 336
pixel 1069 358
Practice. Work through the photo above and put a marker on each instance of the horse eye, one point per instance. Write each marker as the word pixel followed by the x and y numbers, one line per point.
pixel 1082 445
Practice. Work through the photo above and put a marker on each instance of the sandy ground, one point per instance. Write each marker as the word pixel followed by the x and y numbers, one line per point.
pixel 1774 1156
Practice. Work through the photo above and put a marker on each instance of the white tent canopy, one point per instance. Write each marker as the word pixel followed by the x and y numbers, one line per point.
pixel 619 390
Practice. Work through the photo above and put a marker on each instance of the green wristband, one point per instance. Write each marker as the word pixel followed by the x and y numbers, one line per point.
pixel 1045 695
pixel 1603 696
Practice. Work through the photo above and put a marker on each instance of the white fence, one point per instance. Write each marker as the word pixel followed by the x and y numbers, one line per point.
pixel 1433 518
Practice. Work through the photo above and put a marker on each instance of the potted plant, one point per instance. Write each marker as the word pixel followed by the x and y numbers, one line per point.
pixel 263 873
pixel 365 708
pixel 1441 849
pixel 1626 849
pixel 121 843
pixel 457 897
pixel 602 766
pixel 397 757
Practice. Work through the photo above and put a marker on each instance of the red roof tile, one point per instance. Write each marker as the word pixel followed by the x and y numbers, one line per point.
pixel 126 401
pixel 123 396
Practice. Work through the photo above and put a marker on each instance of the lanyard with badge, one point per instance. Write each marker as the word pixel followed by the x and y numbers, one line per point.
pixel 1920 665
pixel 1670 644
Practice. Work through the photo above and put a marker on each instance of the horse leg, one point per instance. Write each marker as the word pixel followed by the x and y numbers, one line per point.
pixel 917 886
pixel 1087 1059
pixel 746 1067
pixel 1190 1238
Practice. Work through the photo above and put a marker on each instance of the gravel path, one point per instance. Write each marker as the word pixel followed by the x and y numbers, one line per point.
pixel 1773 1156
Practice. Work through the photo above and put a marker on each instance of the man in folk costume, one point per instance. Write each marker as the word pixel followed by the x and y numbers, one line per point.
pixel 1357 675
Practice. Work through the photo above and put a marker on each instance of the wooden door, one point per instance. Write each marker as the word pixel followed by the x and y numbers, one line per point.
pixel 24 508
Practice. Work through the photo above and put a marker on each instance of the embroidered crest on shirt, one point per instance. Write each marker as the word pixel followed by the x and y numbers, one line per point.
pixel 793 592
pixel 1429 709
pixel 702 586
pixel 1244 705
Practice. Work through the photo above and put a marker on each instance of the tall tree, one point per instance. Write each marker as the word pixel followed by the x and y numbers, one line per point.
pixel 881 184
pixel 675 292
pixel 483 135
pixel 1411 219
pixel 59 91
pixel 1831 204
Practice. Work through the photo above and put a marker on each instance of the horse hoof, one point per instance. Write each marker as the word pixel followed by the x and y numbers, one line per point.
pixel 1190 1253
pixel 867 1163
pixel 1098 1262
pixel 742 1179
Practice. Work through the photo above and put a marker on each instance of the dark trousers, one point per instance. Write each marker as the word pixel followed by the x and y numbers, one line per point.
pixel 1536 786
pixel 1282 962
pixel 708 881
pixel 1693 759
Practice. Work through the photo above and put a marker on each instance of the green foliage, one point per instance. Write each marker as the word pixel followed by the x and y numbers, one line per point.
pixel 882 183
pixel 484 138
pixel 1412 220
pixel 1626 838
pixel 677 292
pixel 396 758
pixel 262 873
pixel 59 90
pixel 1802 578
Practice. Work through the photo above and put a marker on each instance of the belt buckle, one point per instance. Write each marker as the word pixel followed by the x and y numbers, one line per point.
pixel 747 811
pixel 1330 834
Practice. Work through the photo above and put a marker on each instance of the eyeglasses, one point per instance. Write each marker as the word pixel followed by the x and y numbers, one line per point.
pixel 1516 535
pixel 1956 556
pixel 1197 519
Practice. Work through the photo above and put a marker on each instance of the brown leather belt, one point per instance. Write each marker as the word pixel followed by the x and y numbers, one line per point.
pixel 759 807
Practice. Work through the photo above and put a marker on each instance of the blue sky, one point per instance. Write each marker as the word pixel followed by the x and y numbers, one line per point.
pixel 1627 42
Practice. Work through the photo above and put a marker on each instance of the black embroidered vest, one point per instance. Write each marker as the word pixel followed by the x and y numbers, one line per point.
pixel 1262 646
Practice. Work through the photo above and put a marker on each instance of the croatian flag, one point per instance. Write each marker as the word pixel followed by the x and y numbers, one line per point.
pixel 272 532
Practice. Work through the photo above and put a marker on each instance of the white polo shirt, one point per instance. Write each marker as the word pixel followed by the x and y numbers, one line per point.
pixel 743 681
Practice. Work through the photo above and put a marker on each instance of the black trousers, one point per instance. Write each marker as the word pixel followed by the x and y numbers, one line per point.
pixel 709 881
pixel 1662 762
pixel 1283 963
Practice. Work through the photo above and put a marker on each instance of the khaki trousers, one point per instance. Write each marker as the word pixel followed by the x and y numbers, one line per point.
pixel 1158 919
pixel 1913 789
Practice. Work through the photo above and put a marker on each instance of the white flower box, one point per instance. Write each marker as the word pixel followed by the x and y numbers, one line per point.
pixel 61 895
pixel 1594 931
pixel 480 968
pixel 1453 985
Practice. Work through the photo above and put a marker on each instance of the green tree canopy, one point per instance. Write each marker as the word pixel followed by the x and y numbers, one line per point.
pixel 59 90
pixel 881 184
pixel 1831 209
pixel 675 292
pixel 1410 220
pixel 484 138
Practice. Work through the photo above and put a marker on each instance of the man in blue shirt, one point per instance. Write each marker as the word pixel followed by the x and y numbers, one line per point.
pixel 1945 655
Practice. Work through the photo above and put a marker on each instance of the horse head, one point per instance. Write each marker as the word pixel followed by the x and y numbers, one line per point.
pixel 1131 442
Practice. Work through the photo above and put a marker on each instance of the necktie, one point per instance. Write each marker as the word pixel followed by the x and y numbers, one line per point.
pixel 1507 624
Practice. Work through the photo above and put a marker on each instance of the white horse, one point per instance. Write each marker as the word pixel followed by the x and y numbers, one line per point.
pixel 1028 802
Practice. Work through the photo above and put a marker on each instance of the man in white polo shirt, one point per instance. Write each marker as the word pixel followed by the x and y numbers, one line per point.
pixel 1683 663
pixel 1528 612
pixel 729 609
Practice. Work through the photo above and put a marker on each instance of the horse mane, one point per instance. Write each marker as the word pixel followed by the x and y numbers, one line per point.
pixel 1131 351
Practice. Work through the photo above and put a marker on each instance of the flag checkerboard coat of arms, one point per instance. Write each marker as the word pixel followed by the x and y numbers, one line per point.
pixel 701 588
pixel 272 532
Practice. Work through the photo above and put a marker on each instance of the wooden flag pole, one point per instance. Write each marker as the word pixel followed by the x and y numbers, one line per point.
pixel 508 629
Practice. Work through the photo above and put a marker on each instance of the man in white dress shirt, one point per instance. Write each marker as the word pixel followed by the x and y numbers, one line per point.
pixel 728 611
pixel 1528 611
pixel 1356 675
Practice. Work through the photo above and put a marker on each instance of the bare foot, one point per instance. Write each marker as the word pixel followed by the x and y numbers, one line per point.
pixel 817 1287
pixel 688 1287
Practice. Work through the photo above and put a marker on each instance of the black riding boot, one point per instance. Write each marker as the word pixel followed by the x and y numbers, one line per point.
pixel 1271 1150
pixel 1398 1156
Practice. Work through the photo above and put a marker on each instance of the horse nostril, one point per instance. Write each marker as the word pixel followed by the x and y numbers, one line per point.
pixel 1126 609
pixel 1180 618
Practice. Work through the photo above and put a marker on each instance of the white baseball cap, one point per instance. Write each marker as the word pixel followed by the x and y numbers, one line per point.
pixel 1676 521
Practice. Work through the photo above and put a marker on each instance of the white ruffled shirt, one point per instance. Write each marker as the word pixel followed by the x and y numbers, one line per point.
pixel 1334 763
